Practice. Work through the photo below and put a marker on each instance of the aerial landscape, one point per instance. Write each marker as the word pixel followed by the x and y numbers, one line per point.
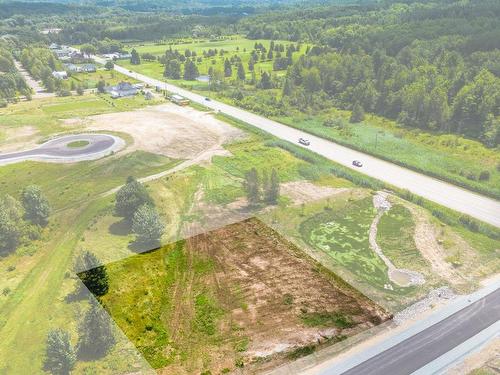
pixel 262 187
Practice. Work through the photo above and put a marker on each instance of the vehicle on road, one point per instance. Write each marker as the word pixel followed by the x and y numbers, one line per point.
pixel 304 142
pixel 208 99
pixel 357 163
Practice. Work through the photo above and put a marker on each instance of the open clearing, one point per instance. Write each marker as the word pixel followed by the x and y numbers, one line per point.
pixel 223 299
pixel 168 129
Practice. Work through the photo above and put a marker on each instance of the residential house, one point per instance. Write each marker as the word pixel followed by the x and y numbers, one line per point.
pixel 123 89
pixel 89 68
pixel 60 75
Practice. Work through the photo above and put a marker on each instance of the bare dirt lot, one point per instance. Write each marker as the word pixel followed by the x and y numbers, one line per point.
pixel 167 129
pixel 305 191
pixel 19 138
pixel 224 299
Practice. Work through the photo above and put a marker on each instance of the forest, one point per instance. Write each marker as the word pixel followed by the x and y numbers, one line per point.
pixel 432 65
pixel 429 65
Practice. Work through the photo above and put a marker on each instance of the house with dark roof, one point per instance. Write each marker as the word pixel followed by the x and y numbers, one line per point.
pixel 123 89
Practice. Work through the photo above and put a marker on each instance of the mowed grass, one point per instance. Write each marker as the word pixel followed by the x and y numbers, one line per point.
pixel 47 115
pixel 90 80
pixel 236 46
pixel 449 157
pixel 69 184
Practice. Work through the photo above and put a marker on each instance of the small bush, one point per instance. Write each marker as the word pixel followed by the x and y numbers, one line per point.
pixel 3 103
pixel 484 176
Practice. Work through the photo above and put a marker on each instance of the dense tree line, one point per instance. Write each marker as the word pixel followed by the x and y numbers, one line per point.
pixel 41 62
pixel 21 221
pixel 11 82
pixel 434 66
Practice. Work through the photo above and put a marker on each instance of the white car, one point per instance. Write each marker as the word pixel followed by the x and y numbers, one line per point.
pixel 304 142
pixel 357 163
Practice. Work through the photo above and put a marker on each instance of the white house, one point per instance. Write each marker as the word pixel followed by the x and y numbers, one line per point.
pixel 60 75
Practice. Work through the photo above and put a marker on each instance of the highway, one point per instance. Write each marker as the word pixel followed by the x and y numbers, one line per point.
pixel 424 347
pixel 451 196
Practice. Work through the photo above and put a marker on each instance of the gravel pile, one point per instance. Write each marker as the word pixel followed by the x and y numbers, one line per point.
pixel 434 297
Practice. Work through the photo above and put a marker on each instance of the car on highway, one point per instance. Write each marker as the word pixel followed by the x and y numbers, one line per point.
pixel 208 99
pixel 357 163
pixel 304 142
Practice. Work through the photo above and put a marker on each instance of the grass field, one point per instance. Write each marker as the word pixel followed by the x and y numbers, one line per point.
pixel 46 116
pixel 236 46
pixel 447 156
pixel 90 80
pixel 69 184
pixel 395 234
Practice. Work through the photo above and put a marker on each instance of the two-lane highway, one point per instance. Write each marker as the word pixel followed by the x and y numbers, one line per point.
pixel 456 198
pixel 424 347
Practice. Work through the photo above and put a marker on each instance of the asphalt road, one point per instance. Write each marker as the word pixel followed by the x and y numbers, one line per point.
pixel 456 198
pixel 57 149
pixel 424 347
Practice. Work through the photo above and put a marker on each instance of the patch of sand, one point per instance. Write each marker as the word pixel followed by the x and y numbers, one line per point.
pixel 305 191
pixel 18 138
pixel 167 129
pixel 426 242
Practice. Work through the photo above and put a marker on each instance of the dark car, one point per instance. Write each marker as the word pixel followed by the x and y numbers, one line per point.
pixel 357 163
pixel 304 142
pixel 208 99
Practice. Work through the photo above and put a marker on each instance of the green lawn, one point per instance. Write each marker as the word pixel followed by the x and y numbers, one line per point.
pixel 236 46
pixel 47 115
pixel 69 184
pixel 90 80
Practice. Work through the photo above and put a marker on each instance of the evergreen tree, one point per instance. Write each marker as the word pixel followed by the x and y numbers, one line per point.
pixel 270 54
pixel 148 226
pixel 100 86
pixel 172 69
pixel 358 114
pixel 241 72
pixel 190 70
pixel 36 206
pixel 252 187
pixel 265 81
pixel 93 275
pixel 96 333
pixel 228 70
pixel 130 197
pixel 273 193
pixel 251 64
pixel 135 59
pixel 60 356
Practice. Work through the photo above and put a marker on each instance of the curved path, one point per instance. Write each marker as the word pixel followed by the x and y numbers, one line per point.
pixel 65 149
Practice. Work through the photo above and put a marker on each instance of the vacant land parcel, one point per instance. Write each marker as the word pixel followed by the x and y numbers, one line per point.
pixel 229 298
